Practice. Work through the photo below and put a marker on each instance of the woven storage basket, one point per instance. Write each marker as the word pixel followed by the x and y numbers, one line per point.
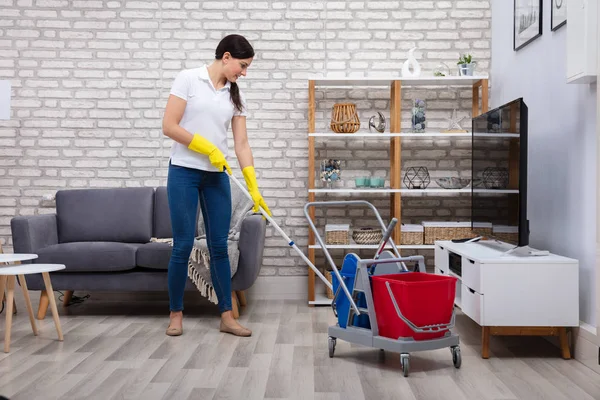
pixel 329 291
pixel 445 231
pixel 411 234
pixel 337 234
pixel 344 118
pixel 506 233
pixel 367 236
pixel 483 228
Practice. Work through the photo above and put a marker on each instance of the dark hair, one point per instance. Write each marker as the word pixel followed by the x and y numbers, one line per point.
pixel 239 47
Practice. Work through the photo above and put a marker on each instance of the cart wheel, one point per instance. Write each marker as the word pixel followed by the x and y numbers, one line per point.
pixel 331 341
pixel 456 358
pixel 405 363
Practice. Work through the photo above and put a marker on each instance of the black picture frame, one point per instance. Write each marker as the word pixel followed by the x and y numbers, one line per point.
pixel 527 22
pixel 555 5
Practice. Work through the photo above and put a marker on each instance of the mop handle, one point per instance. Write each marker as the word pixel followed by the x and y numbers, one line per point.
pixel 290 242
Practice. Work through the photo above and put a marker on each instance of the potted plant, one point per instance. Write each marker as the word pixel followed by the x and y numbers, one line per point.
pixel 466 65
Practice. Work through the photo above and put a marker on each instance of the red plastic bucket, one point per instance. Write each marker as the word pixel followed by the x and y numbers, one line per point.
pixel 423 299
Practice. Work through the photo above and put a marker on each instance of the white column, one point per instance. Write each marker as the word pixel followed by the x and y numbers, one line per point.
pixel 598 193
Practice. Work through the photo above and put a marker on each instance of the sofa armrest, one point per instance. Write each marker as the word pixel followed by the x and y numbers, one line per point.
pixel 31 233
pixel 251 246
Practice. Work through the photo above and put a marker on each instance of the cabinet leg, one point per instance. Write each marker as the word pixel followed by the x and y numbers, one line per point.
pixel 564 343
pixel 485 342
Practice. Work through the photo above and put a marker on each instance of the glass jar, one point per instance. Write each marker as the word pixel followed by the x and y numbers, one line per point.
pixel 331 172
pixel 418 116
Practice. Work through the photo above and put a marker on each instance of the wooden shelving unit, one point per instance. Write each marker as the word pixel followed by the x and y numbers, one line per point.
pixel 395 135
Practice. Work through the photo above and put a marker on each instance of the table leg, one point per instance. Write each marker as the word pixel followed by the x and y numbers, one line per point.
pixel 2 287
pixel 485 342
pixel 52 300
pixel 10 296
pixel 28 303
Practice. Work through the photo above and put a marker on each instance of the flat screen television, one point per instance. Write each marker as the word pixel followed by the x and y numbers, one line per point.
pixel 499 174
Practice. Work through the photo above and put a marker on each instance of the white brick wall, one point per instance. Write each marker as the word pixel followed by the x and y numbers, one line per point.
pixel 91 78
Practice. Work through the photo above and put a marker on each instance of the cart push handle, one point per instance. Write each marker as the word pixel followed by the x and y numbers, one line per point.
pixel 388 231
pixel 424 328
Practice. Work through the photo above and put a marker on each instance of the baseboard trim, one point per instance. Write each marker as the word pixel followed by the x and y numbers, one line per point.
pixel 279 288
pixel 586 347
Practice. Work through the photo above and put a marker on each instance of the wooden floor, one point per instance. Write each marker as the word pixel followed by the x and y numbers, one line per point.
pixel 115 348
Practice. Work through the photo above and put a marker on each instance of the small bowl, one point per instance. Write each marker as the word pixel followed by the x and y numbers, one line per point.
pixel 453 182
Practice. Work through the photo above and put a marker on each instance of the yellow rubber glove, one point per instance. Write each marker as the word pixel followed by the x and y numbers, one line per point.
pixel 250 177
pixel 202 145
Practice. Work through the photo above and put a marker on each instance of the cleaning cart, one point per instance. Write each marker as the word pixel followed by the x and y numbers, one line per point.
pixel 380 303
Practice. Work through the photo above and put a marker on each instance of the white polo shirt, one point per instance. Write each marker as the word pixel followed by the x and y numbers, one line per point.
pixel 208 112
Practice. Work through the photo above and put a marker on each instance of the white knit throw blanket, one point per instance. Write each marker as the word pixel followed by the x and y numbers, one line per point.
pixel 199 261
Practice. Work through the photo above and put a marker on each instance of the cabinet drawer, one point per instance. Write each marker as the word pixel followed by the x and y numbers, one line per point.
pixel 472 303
pixel 471 274
pixel 441 258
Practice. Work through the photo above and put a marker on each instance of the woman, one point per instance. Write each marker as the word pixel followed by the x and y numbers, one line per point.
pixel 202 104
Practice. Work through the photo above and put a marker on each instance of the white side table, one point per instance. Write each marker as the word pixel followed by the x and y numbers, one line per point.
pixel 18 257
pixel 12 259
pixel 7 279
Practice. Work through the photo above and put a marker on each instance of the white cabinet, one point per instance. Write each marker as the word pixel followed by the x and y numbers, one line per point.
pixel 582 41
pixel 512 294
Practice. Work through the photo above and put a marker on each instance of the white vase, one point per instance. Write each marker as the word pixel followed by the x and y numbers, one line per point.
pixel 411 63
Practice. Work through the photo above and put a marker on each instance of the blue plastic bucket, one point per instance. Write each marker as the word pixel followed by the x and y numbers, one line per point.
pixel 342 303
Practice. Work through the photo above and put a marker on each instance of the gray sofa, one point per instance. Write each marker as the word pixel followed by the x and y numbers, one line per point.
pixel 103 238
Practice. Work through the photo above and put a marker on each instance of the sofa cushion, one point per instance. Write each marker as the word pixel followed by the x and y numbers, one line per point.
pixel 154 255
pixel 105 215
pixel 162 216
pixel 90 256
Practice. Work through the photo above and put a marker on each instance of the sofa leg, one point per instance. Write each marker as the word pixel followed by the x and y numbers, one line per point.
pixel 234 306
pixel 67 297
pixel 241 297
pixel 44 302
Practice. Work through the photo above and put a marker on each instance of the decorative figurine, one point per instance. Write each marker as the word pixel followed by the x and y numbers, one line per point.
pixel 380 125
pixel 411 63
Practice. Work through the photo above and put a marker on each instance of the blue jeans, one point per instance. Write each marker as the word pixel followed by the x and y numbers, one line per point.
pixel 185 186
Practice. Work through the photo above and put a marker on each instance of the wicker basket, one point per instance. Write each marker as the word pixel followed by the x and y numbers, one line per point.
pixel 344 118
pixel 367 236
pixel 483 228
pixel 329 291
pixel 411 234
pixel 509 234
pixel 446 231
pixel 337 234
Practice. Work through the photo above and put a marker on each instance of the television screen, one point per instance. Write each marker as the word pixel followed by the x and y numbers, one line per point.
pixel 499 173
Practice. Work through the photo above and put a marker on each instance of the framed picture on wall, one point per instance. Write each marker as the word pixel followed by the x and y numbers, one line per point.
pixel 558 14
pixel 527 22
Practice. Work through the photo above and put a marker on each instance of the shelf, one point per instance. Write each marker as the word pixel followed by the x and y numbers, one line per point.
pixel 389 135
pixel 374 246
pixel 498 135
pixel 496 191
pixel 380 81
pixel 412 135
pixel 353 190
pixel 414 191
pixel 320 294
